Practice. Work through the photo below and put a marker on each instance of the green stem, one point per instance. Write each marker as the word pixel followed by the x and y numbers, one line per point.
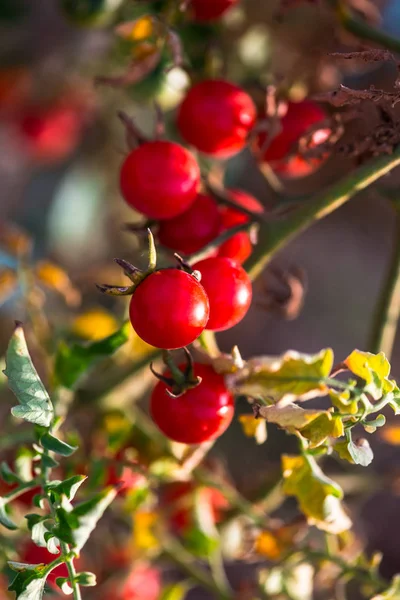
pixel 183 559
pixel 71 571
pixel 388 308
pixel 216 242
pixel 364 31
pixel 275 235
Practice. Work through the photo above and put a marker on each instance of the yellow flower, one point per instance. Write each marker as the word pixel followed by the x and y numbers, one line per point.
pixel 94 324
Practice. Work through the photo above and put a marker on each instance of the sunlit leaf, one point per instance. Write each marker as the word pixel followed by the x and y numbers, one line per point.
pixel 72 362
pixel 56 279
pixel 374 369
pixel 361 452
pixel 4 518
pixel 23 379
pixel 255 428
pixel 290 416
pixel 321 428
pixel 292 376
pixel 175 591
pixel 30 581
pixel 393 591
pixel 341 399
pixel 318 496
pixel 87 514
pixel 52 443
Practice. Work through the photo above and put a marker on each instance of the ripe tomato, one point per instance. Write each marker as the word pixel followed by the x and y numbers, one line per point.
pixel 178 499
pixel 200 414
pixel 300 116
pixel 229 291
pixel 215 117
pixel 160 179
pixel 50 134
pixel 169 309
pixel 239 246
pixel 30 553
pixel 142 583
pixel 193 229
pixel 209 10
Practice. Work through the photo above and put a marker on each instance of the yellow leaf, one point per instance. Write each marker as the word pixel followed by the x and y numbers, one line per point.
pixel 289 416
pixel 268 545
pixel 321 428
pixel 292 376
pixel 8 284
pixel 138 30
pixel 55 278
pixel 144 538
pixel 374 369
pixel 94 324
pixel 255 428
pixel 343 401
pixel 391 434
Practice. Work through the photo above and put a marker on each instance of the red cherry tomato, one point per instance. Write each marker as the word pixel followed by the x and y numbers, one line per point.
pixel 142 583
pixel 200 414
pixel 177 498
pixel 30 553
pixel 229 291
pixel 209 10
pixel 51 134
pixel 239 246
pixel 169 309
pixel 215 117
pixel 300 116
pixel 193 229
pixel 160 179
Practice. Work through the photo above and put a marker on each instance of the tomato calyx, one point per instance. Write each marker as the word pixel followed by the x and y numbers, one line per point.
pixel 180 381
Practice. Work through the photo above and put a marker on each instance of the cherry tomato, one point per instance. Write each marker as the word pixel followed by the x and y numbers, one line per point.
pixel 160 179
pixel 239 246
pixel 169 309
pixel 30 553
pixel 215 117
pixel 178 499
pixel 200 414
pixel 193 229
pixel 229 291
pixel 209 10
pixel 300 116
pixel 142 583
pixel 50 134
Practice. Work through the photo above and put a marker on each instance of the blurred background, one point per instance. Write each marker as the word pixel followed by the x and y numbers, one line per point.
pixel 61 145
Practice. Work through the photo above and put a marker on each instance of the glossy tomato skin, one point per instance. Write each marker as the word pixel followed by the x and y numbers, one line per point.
pixel 160 179
pixel 200 414
pixel 216 117
pixel 300 116
pixel 209 10
pixel 192 230
pixel 239 246
pixel 169 309
pixel 229 291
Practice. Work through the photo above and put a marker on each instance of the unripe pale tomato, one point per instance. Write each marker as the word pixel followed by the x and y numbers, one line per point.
pixel 216 117
pixel 200 414
pixel 160 179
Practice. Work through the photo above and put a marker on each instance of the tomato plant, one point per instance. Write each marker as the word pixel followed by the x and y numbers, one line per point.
pixel 206 10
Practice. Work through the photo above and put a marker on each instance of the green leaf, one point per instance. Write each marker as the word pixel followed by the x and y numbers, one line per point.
pixel 49 462
pixel 86 578
pixel 23 463
pixel 49 442
pixel 52 543
pixel 30 581
pixel 318 496
pixel 393 591
pixel 87 514
pixel 8 474
pixel 35 404
pixel 72 362
pixel 64 585
pixel 4 518
pixel 292 376
pixel 360 452
pixel 175 591
pixel 374 369
pixel 70 486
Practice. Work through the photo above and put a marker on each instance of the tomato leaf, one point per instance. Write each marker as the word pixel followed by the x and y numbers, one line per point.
pixel 30 581
pixel 87 514
pixel 50 442
pixel 72 362
pixel 360 452
pixel 374 369
pixel 292 376
pixel 35 404
pixel 4 518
